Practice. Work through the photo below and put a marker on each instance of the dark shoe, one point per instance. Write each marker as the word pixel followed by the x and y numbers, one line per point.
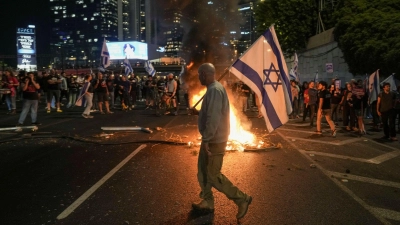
pixel 19 125
pixel 243 207
pixel 36 124
pixel 203 206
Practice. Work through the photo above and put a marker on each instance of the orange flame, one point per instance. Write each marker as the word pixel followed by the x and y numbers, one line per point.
pixel 239 137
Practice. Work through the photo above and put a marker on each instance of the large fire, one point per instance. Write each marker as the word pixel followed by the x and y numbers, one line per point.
pixel 239 137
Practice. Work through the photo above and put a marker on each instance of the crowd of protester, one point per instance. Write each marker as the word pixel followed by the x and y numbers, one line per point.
pixel 60 91
pixel 346 107
pixel 341 107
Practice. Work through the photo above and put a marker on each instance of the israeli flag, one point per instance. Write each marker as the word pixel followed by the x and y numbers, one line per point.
pixel 391 81
pixel 128 67
pixel 81 101
pixel 293 72
pixel 149 68
pixel 316 77
pixel 263 68
pixel 105 54
pixel 373 86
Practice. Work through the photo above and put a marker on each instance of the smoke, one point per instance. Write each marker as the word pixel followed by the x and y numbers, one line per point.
pixel 208 28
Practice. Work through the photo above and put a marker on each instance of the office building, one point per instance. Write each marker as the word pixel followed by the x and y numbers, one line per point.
pixel 80 26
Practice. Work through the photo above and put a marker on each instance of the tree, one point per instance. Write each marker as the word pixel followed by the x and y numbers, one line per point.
pixel 294 21
pixel 368 33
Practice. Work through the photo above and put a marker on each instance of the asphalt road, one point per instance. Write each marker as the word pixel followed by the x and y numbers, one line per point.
pixel 70 172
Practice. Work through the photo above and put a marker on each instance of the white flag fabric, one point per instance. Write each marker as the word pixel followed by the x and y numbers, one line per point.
pixel 391 81
pixel 106 55
pixel 149 68
pixel 263 68
pixel 182 71
pixel 373 86
pixel 128 67
pixel 316 78
pixel 293 72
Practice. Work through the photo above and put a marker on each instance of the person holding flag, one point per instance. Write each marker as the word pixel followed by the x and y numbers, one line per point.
pixel 214 123
pixel 149 68
pixel 268 77
pixel 105 54
pixel 128 67
pixel 86 97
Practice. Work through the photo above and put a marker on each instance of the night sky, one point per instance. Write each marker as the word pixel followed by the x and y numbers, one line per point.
pixel 21 13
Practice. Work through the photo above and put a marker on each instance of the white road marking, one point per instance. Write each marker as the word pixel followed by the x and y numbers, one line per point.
pixel 387 213
pixel 381 217
pixel 365 179
pixel 336 156
pixel 337 142
pixel 385 157
pixel 89 192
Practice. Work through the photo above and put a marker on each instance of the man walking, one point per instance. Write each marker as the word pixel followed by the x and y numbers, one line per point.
pixel 385 109
pixel 214 128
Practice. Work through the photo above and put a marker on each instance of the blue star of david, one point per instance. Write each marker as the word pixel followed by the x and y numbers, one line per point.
pixel 268 81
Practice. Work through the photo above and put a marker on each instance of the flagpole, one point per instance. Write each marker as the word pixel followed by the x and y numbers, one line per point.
pixel 220 78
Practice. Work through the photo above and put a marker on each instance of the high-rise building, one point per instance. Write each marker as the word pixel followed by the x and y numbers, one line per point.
pixel 79 27
pixel 172 32
pixel 247 27
pixel 143 26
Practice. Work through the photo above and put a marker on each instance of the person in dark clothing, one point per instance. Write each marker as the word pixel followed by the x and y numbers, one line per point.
pixel 336 97
pixel 385 109
pixel 348 111
pixel 31 98
pixel 324 105
pixel 125 87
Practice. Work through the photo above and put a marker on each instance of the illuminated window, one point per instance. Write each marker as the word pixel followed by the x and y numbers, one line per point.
pixel 85 19
pixel 78 32
pixel 95 27
pixel 95 40
pixel 84 6
pixel 57 20
pixel 64 11
pixel 89 40
pixel 92 18
pixel 55 12
pixel 81 36
pixel 73 15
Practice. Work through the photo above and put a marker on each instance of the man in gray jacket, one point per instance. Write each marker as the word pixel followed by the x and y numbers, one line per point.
pixel 214 128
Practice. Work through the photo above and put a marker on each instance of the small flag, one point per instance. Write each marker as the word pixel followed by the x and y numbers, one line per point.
pixel 182 71
pixel 149 68
pixel 373 86
pixel 268 77
pixel 81 101
pixel 391 81
pixel 128 67
pixel 316 77
pixel 293 72
pixel 106 55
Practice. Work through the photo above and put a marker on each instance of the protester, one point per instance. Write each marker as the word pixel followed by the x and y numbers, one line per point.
pixel 244 94
pixel 53 90
pixel 171 87
pixel 87 94
pixel 30 99
pixel 11 83
pixel 348 110
pixel 64 92
pixel 386 110
pixel 134 82
pixel 73 88
pixel 295 99
pixel 150 85
pixel 336 97
pixel 312 98
pixel 214 125
pixel 324 108
pixel 358 101
pixel 102 93
pixel 397 107
pixel 125 87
